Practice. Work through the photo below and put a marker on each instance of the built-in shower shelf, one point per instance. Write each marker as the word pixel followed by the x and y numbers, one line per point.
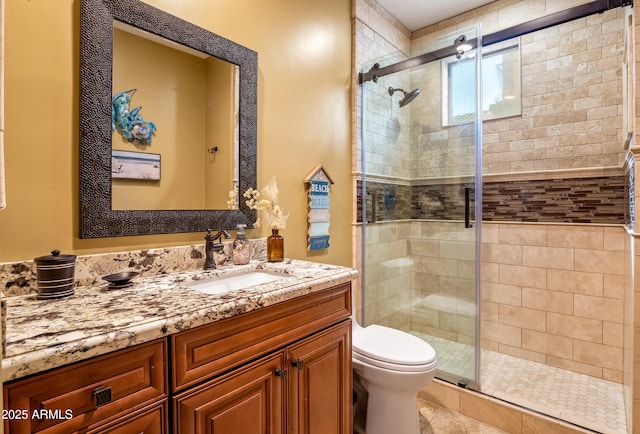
pixel 450 304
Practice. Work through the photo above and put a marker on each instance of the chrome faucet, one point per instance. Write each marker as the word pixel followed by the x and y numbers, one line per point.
pixel 211 246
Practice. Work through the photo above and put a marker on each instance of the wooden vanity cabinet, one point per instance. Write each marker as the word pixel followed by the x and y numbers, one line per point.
pixel 118 392
pixel 285 368
pixel 281 369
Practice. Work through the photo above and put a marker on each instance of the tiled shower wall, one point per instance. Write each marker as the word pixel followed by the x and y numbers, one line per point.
pixel 554 294
pixel 551 293
pixel 572 99
pixel 571 120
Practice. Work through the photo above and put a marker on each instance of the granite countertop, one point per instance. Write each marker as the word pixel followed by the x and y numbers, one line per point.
pixel 45 334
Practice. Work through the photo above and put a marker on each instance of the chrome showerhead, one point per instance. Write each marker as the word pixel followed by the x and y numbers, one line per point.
pixel 408 96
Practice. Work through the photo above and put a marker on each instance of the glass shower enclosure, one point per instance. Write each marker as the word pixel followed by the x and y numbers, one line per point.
pixel 419 194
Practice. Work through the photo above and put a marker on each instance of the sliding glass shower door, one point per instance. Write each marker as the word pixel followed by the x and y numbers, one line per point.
pixel 420 195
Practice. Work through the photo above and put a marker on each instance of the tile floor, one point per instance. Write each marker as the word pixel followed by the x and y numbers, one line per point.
pixel 586 401
pixel 439 420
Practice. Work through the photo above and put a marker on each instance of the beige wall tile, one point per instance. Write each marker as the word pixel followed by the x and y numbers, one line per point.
pixel 500 293
pixel 490 232
pixel 439 266
pixel 458 324
pixel 585 237
pixel 467 270
pixel 535 277
pixel 612 334
pixel 599 355
pixel 613 310
pixel 614 286
pixel 522 353
pixel 575 282
pixel 490 272
pixel 614 238
pixel 548 257
pixel 571 365
pixel 523 317
pixel 574 327
pixel 599 261
pixel 589 307
pixel 462 250
pixel 559 346
pixel 489 311
pixel 502 253
pixel 501 333
pixel 512 15
pixel 424 247
pixel 458 287
pixel 550 301
pixel 523 234
pixel 614 376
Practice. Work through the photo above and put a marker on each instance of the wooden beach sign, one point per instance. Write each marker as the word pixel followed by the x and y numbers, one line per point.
pixel 319 185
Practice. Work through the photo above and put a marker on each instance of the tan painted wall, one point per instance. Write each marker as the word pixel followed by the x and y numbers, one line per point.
pixel 303 118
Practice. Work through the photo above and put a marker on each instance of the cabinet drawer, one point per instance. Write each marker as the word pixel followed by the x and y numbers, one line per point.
pixel 214 348
pixel 151 420
pixel 77 396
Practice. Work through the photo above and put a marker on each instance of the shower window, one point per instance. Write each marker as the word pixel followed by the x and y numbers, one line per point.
pixel 501 83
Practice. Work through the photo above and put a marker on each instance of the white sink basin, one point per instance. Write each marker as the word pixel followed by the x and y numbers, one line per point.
pixel 220 285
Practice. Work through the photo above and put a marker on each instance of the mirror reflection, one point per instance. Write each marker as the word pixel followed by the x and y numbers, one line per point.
pixel 192 99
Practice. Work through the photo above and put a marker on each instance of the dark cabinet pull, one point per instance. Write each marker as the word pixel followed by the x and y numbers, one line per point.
pixel 467 210
pixel 282 373
pixel 297 363
pixel 102 396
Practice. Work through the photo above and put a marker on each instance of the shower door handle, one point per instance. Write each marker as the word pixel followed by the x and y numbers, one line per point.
pixel 467 208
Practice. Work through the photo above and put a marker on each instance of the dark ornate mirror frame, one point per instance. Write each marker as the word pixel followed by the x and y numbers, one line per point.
pixel 97 219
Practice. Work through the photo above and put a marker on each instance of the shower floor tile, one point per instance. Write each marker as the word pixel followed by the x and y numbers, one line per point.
pixel 586 401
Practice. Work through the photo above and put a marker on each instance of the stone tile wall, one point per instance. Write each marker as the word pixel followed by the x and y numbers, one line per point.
pixel 572 99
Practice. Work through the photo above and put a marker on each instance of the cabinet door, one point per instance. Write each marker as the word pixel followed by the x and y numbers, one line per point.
pixel 320 387
pixel 248 400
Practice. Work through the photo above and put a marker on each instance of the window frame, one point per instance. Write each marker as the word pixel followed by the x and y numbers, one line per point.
pixel 487 52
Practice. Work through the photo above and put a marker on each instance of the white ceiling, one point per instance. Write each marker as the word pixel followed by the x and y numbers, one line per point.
pixel 416 14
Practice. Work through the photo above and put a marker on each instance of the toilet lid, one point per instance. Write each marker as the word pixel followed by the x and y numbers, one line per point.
pixel 392 346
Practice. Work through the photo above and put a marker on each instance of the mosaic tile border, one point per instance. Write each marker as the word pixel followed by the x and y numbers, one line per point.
pixel 601 200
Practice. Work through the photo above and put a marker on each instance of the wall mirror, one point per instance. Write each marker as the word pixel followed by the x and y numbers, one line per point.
pixel 206 122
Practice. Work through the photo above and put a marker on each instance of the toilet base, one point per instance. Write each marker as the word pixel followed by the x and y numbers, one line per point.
pixel 392 406
pixel 392 412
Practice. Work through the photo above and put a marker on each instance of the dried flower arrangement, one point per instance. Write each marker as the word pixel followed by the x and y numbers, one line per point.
pixel 265 201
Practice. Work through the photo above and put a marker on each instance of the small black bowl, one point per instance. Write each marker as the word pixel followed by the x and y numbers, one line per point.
pixel 120 280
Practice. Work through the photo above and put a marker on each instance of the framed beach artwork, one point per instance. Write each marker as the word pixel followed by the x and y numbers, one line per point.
pixel 135 165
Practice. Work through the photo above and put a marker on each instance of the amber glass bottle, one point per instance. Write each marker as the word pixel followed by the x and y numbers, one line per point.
pixel 275 247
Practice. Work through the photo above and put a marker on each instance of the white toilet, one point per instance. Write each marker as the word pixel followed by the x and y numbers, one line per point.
pixel 393 366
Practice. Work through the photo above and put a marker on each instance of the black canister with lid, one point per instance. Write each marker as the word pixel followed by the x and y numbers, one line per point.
pixel 55 274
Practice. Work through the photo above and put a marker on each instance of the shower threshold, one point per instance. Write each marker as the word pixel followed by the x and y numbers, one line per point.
pixel 579 399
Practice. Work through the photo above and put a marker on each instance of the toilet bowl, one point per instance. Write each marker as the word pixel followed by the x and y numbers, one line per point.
pixel 393 366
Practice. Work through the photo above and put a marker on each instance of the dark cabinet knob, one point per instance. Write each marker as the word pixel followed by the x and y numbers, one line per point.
pixel 282 373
